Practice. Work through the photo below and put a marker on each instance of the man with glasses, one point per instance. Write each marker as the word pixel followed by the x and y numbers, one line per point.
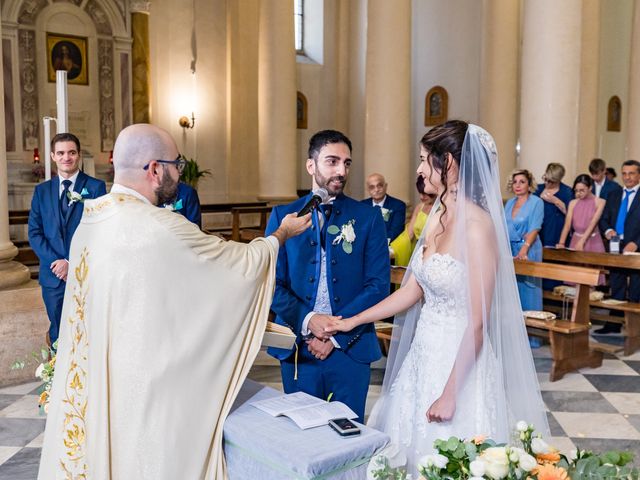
pixel 162 324
pixel 56 209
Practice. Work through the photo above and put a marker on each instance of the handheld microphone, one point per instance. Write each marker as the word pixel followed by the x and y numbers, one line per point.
pixel 319 196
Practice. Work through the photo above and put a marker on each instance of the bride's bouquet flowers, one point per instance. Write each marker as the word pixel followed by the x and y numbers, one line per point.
pixel 529 458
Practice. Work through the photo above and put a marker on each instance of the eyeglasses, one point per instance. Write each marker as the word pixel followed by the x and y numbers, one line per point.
pixel 179 162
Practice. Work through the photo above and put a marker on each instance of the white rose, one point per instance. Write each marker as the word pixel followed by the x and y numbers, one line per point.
pixel 573 454
pixel 527 462
pixel 522 426
pixel 476 478
pixel 39 370
pixel 539 446
pixel 437 460
pixel 496 462
pixel 440 460
pixel 477 468
pixel 348 233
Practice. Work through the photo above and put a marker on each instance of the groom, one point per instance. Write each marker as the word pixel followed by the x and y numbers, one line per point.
pixel 338 267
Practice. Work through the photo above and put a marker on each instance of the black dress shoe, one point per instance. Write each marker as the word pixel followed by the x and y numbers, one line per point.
pixel 608 328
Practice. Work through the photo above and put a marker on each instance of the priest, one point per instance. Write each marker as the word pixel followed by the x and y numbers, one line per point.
pixel 160 326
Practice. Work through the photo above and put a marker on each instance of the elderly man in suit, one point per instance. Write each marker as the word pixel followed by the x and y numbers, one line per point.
pixel 338 267
pixel 602 186
pixel 393 210
pixel 56 210
pixel 621 218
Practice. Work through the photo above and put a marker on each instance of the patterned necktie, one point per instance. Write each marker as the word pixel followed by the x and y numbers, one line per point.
pixel 64 199
pixel 326 211
pixel 622 213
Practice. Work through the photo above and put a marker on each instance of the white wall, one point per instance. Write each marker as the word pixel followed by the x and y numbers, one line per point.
pixel 615 51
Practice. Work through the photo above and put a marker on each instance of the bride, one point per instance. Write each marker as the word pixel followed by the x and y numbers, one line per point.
pixel 459 362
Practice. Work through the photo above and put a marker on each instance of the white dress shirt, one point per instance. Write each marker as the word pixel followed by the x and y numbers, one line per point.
pixel 72 179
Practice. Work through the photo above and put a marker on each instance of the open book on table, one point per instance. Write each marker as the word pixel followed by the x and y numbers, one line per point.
pixel 305 410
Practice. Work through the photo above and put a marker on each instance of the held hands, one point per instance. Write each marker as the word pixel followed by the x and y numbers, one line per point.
pixel 320 348
pixel 291 226
pixel 338 325
pixel 60 268
pixel 442 409
pixel 319 325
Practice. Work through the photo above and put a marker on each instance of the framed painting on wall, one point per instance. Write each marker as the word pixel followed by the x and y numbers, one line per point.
pixel 436 106
pixel 614 114
pixel 66 52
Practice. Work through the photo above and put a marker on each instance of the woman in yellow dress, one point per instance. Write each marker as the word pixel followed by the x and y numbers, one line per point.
pixel 404 243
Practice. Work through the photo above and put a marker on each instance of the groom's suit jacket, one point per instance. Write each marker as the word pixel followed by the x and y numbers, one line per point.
pixel 355 281
pixel 50 233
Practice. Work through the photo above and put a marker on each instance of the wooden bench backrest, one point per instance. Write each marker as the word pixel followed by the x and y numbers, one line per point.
pixel 602 260
pixel 554 271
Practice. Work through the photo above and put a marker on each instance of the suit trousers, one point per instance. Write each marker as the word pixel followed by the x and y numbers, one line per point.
pixel 339 374
pixel 53 299
pixel 625 285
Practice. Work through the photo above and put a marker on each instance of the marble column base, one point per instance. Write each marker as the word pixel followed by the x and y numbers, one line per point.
pixel 13 274
pixel 23 328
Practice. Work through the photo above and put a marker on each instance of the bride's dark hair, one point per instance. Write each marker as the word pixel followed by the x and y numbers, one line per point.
pixel 445 138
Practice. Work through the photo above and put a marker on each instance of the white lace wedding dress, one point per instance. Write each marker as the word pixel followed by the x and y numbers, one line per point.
pixel 426 368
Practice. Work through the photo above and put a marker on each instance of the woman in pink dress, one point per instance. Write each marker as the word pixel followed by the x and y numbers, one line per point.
pixel 582 218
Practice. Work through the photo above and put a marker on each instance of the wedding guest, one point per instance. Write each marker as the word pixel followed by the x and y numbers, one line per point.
pixel 524 214
pixel 621 219
pixel 56 210
pixel 602 186
pixel 404 243
pixel 187 204
pixel 393 210
pixel 556 196
pixel 611 174
pixel 582 218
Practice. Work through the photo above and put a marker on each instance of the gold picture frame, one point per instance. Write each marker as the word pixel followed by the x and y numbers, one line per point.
pixel 67 52
pixel 436 106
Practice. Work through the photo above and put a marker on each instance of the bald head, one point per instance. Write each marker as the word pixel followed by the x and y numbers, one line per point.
pixel 136 146
pixel 376 186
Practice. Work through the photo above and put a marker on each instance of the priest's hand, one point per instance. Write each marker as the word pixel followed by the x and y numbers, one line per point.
pixel 318 324
pixel 320 348
pixel 60 269
pixel 291 226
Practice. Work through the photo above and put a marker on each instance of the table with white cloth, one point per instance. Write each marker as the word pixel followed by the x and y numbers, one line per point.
pixel 257 445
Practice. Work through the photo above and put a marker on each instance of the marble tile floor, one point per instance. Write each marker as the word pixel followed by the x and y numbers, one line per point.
pixel 597 409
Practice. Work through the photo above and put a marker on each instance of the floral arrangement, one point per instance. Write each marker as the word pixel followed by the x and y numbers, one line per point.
pixel 37 170
pixel 386 213
pixel 531 459
pixel 44 372
pixel 346 235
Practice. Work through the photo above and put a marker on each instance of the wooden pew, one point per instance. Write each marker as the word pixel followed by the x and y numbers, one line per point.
pixel 246 234
pixel 569 338
pixel 605 262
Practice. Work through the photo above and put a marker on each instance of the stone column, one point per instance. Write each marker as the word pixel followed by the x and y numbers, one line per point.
pixel 633 135
pixel 140 61
pixel 387 137
pixel 551 48
pixel 589 83
pixel 11 273
pixel 499 79
pixel 277 102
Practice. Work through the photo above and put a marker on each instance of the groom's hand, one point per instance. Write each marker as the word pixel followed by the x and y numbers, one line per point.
pixel 319 323
pixel 319 348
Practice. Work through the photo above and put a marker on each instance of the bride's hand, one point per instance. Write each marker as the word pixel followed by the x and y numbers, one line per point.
pixel 441 410
pixel 340 325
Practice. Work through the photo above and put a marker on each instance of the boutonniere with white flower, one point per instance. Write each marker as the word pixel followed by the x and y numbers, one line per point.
pixel 386 213
pixel 75 197
pixel 174 206
pixel 346 235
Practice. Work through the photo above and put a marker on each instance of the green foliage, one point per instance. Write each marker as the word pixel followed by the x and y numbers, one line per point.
pixel 192 173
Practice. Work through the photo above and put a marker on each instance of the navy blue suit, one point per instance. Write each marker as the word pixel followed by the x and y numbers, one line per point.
pixel 608 187
pixel 190 204
pixel 397 215
pixel 50 237
pixel 355 282
pixel 623 280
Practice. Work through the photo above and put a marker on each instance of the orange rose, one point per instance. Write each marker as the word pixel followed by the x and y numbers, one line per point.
pixel 551 472
pixel 551 457
pixel 479 439
pixel 44 396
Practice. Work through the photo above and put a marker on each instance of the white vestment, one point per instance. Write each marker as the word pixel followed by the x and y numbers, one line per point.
pixel 160 326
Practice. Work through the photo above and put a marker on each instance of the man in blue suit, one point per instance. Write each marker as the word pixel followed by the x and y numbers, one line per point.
pixel 621 218
pixel 340 266
pixel 187 204
pixel 393 210
pixel 602 186
pixel 56 210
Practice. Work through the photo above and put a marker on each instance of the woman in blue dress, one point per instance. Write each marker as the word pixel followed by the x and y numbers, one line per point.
pixel 524 214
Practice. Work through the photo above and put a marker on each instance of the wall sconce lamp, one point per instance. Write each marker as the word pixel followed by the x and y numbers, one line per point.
pixel 186 122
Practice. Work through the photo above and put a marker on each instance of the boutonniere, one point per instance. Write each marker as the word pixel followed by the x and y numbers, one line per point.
pixel 77 197
pixel 174 206
pixel 347 235
pixel 385 213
